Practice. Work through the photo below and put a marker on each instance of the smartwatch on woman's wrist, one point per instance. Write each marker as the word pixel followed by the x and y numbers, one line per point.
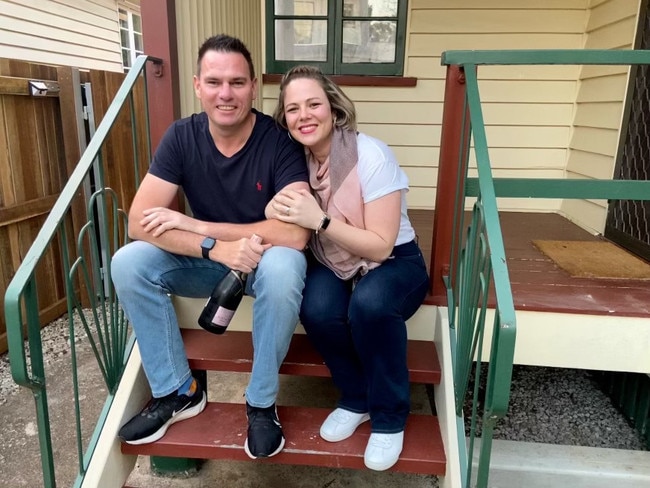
pixel 324 222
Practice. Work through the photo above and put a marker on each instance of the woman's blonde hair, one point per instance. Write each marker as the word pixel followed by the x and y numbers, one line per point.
pixel 343 111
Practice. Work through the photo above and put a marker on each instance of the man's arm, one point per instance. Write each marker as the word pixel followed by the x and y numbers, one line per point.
pixel 151 220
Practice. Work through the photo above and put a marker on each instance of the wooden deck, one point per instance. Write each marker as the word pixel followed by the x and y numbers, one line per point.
pixel 538 284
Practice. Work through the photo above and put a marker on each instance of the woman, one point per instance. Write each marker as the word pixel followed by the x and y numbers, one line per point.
pixel 366 275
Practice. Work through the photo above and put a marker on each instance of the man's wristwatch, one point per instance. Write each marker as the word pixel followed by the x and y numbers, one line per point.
pixel 206 246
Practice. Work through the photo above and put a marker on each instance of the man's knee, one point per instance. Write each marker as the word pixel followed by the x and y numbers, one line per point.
pixel 282 263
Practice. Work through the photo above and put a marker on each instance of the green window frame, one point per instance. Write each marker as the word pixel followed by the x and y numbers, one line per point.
pixel 335 17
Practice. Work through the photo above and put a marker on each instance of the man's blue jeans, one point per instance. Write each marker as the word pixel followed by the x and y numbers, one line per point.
pixel 145 277
pixel 361 332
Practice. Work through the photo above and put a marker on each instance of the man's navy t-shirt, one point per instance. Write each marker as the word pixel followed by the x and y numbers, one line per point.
pixel 234 189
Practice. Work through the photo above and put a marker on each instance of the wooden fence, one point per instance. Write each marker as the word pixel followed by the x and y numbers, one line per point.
pixel 41 141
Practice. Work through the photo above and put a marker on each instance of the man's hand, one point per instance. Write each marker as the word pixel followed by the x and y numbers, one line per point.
pixel 242 255
pixel 157 220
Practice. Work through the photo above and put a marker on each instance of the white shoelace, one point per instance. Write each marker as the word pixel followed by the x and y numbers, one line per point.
pixel 383 441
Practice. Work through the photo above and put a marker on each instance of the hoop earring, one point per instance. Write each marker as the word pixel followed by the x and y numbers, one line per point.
pixel 290 138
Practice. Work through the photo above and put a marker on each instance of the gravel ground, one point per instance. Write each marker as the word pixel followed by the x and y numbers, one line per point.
pixel 548 405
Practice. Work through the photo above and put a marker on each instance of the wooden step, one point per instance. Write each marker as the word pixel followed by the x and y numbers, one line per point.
pixel 220 431
pixel 233 351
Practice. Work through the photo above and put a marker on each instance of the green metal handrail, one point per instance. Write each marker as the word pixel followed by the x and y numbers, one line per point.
pixel 106 329
pixel 478 261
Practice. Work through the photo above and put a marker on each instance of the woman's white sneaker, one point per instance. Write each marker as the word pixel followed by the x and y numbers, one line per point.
pixel 383 450
pixel 341 424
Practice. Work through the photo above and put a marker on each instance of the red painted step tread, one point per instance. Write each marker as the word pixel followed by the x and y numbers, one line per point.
pixel 233 351
pixel 220 431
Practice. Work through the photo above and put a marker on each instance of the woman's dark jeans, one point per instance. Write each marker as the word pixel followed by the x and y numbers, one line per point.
pixel 361 333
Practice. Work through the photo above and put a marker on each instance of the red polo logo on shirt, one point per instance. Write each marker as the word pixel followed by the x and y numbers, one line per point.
pixel 259 185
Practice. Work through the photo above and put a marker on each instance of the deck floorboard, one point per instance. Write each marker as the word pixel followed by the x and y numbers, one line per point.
pixel 538 284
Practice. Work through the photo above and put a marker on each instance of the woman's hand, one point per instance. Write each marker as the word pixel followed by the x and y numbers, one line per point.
pixel 158 220
pixel 297 207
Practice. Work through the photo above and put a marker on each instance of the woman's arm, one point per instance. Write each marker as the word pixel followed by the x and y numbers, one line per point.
pixel 375 242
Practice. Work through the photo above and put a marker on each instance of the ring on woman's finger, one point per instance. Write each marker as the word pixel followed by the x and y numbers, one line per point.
pixel 288 210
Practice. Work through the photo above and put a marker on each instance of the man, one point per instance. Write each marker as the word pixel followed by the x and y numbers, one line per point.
pixel 230 161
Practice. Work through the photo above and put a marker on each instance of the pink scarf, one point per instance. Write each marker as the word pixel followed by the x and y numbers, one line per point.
pixel 337 190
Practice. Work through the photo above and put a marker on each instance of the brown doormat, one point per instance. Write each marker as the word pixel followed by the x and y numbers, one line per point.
pixel 595 259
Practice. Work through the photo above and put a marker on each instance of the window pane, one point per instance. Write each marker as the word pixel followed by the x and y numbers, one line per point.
pixel 370 8
pixel 300 7
pixel 124 39
pixel 138 42
pixel 369 42
pixel 301 40
pixel 137 23
pixel 126 58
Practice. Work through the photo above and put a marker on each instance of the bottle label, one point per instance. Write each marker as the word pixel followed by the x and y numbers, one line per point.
pixel 223 316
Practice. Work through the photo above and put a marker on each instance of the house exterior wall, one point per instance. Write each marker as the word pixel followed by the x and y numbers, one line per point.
pixel 66 32
pixel 599 104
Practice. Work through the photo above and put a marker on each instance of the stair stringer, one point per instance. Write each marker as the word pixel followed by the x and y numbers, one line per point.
pixel 109 467
pixel 445 402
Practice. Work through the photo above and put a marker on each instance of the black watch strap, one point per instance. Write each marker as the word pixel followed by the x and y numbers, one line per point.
pixel 206 246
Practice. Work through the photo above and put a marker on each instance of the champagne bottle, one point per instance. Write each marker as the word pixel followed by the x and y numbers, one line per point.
pixel 224 300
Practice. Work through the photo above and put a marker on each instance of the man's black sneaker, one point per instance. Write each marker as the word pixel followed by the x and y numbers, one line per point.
pixel 154 419
pixel 265 437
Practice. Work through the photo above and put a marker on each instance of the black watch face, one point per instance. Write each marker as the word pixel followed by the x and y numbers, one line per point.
pixel 208 243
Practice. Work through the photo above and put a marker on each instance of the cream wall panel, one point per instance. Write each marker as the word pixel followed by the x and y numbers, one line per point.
pixel 422 177
pixel 594 165
pixel 531 72
pixel 530 158
pixel 490 20
pixel 398 112
pixel 426 156
pixel 31 35
pixel 526 137
pixel 65 32
pixel 404 135
pixel 527 91
pixel 197 20
pixel 602 91
pixel 499 4
pixel 592 217
pixel 613 36
pixel 105 27
pixel 56 59
pixel 421 198
pixel 595 140
pixel 605 115
pixel 613 11
pixel 435 44
pixel 593 71
pixel 527 113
